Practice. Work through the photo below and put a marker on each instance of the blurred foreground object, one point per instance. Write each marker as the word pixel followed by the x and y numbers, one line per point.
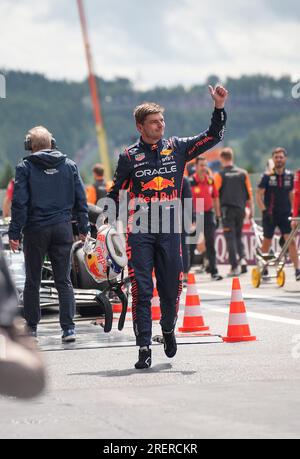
pixel 22 371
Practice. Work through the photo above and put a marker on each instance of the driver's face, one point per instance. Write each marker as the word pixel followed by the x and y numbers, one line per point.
pixel 153 127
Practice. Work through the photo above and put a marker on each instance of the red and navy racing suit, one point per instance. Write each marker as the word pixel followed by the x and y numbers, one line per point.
pixel 154 173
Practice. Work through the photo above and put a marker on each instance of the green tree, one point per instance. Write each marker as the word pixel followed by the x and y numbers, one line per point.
pixel 261 114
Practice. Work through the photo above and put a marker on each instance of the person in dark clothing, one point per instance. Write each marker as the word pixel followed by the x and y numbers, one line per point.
pixel 48 187
pixel 98 190
pixel 235 192
pixel 204 189
pixel 153 171
pixel 275 200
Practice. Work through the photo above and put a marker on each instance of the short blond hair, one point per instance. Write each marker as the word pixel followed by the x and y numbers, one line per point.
pixel 147 108
pixel 227 154
pixel 40 137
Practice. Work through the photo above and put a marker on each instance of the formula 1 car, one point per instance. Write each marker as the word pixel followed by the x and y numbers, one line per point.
pixel 93 297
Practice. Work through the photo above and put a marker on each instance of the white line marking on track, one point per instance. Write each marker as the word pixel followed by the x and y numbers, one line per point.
pixel 247 295
pixel 257 315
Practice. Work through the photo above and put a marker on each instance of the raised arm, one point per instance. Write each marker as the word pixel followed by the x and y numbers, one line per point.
pixel 191 147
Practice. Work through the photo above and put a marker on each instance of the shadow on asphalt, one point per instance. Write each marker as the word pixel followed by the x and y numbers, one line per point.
pixel 160 368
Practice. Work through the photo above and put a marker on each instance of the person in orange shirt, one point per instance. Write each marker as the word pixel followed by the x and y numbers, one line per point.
pixel 98 190
pixel 235 191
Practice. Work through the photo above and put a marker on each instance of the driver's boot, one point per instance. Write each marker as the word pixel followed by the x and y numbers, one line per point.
pixel 145 360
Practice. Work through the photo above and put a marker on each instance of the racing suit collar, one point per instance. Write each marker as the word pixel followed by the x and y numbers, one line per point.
pixel 151 147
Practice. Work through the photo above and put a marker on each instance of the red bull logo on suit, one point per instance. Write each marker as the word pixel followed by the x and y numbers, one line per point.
pixel 158 184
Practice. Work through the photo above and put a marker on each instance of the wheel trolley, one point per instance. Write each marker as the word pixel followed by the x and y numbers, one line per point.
pixel 264 261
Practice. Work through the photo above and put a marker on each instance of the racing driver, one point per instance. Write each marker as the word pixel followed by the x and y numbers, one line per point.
pixel 152 171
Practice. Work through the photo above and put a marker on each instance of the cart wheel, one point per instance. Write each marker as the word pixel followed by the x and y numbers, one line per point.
pixel 256 277
pixel 281 278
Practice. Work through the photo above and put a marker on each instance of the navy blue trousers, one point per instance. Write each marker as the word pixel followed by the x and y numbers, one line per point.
pixel 56 241
pixel 161 252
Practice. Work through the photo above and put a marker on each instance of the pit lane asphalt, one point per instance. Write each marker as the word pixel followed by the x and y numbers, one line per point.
pixel 216 390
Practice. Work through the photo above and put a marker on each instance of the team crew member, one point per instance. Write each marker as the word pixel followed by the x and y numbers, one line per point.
pixel 203 188
pixel 6 207
pixel 275 199
pixel 47 188
pixel 98 190
pixel 235 192
pixel 153 169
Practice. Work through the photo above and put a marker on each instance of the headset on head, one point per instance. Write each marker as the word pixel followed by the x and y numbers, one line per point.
pixel 28 144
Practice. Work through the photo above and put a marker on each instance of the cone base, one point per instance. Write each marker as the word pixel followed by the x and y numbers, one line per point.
pixel 192 329
pixel 238 339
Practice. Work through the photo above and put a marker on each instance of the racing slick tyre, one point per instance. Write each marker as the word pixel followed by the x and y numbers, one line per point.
pixel 281 278
pixel 256 277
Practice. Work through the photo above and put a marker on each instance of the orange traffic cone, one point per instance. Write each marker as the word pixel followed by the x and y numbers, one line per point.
pixel 155 303
pixel 238 327
pixel 117 308
pixel 193 319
